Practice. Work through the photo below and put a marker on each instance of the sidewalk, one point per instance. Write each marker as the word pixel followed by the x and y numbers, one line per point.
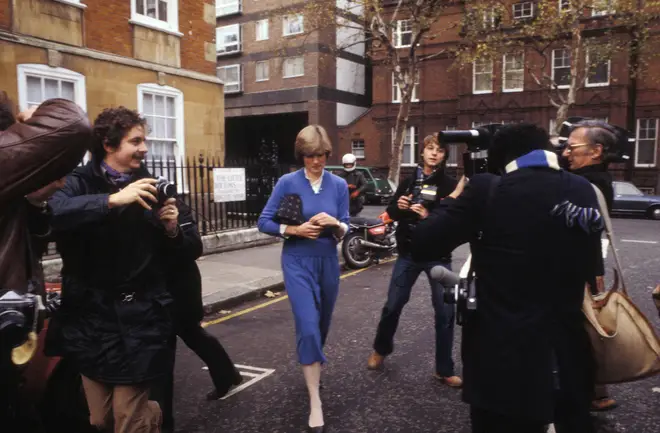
pixel 234 277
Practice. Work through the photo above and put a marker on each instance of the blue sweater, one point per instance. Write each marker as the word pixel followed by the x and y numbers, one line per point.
pixel 331 199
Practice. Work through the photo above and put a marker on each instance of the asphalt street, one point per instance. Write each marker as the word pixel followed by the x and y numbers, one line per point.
pixel 402 398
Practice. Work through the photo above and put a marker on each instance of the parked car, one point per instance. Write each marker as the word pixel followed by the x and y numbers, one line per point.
pixel 628 200
pixel 378 189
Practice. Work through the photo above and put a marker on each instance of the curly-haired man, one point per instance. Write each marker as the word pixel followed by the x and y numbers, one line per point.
pixel 114 242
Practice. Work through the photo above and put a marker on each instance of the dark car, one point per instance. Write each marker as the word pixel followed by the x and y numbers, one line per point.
pixel 378 189
pixel 628 200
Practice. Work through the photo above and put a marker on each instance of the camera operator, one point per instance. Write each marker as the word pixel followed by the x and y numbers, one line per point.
pixel 357 184
pixel 114 232
pixel 526 353
pixel 37 148
pixel 415 197
pixel 585 152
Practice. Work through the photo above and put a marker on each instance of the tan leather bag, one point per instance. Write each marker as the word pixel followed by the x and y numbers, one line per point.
pixel 625 345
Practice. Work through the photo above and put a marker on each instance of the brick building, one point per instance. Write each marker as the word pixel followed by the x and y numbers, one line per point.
pixel 451 98
pixel 157 56
pixel 279 76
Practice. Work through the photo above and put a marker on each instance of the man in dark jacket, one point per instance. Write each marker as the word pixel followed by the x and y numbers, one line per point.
pixel 114 323
pixel 415 197
pixel 38 147
pixel 185 284
pixel 525 349
pixel 357 184
pixel 585 152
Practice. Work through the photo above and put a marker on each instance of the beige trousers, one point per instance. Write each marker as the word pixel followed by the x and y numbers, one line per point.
pixel 121 408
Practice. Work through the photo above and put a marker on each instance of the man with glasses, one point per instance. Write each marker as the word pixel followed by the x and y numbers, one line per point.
pixel 585 152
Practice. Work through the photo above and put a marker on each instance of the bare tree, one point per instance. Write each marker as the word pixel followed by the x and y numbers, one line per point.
pixel 393 33
pixel 585 34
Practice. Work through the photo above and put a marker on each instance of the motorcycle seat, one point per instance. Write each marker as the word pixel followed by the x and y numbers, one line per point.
pixel 366 222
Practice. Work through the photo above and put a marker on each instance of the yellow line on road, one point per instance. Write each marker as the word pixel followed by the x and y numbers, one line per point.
pixel 274 301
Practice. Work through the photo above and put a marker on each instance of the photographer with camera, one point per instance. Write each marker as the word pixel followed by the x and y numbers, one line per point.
pixel 415 197
pixel 586 151
pixel 115 227
pixel 38 147
pixel 525 350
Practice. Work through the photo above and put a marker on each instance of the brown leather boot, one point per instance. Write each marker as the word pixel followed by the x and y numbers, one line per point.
pixel 375 361
pixel 451 381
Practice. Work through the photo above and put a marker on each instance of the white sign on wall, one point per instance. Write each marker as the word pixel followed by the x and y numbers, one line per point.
pixel 228 184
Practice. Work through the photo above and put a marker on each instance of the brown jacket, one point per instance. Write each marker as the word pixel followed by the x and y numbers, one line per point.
pixel 32 155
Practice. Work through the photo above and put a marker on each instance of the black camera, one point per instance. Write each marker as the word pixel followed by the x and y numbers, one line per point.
pixel 617 153
pixel 461 292
pixel 166 190
pixel 18 317
pixel 478 141
pixel 422 192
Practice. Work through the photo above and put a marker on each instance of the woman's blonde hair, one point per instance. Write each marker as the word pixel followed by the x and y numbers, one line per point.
pixel 312 140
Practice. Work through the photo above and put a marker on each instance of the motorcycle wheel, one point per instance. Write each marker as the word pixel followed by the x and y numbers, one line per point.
pixel 355 256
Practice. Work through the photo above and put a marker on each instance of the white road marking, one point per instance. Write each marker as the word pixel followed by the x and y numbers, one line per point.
pixel 656 389
pixel 254 373
pixel 635 241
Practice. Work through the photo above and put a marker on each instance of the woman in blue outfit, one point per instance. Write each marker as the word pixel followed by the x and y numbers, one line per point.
pixel 309 255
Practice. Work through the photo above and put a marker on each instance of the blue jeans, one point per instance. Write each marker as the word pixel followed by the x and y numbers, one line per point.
pixel 405 274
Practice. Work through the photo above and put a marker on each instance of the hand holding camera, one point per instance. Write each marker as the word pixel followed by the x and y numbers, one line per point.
pixel 169 216
pixel 136 192
pixel 404 202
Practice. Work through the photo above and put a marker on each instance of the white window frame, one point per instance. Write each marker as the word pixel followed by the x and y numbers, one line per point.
pixel 234 28
pixel 474 79
pixel 45 71
pixel 265 30
pixel 240 79
pixel 412 130
pixel 228 7
pixel 655 143
pixel 169 26
pixel 609 74
pixel 399 32
pixel 396 91
pixel 256 68
pixel 563 86
pixel 564 5
pixel 610 9
pixel 180 144
pixel 453 149
pixel 488 18
pixel 289 59
pixel 285 24
pixel 74 3
pixel 521 7
pixel 353 148
pixel 504 71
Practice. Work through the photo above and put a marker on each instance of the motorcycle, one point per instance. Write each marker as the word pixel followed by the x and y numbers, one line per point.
pixel 368 240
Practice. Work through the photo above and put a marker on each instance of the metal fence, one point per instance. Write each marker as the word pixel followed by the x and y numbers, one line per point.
pixel 194 180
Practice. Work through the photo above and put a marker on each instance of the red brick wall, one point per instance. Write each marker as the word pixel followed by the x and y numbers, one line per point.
pixel 5 14
pixel 195 31
pixel 107 27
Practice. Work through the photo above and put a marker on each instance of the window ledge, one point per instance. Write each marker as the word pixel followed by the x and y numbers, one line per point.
pixel 155 27
pixel 512 90
pixel 71 3
pixel 597 85
pixel 482 92
pixel 294 76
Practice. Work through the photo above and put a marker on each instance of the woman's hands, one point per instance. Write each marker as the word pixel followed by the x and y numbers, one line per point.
pixel 324 220
pixel 312 229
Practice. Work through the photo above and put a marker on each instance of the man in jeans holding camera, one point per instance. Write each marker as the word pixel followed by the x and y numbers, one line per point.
pixel 414 198
pixel 114 231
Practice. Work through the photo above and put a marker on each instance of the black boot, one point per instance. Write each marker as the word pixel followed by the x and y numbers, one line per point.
pixel 218 393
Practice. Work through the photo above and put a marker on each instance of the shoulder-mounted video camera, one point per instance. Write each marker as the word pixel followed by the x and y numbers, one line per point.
pixel 620 152
pixel 460 290
pixel 479 141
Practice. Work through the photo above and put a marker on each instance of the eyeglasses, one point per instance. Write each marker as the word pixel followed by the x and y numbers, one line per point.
pixel 572 147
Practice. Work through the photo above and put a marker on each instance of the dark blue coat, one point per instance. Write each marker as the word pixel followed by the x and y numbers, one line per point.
pixel 532 268
pixel 107 254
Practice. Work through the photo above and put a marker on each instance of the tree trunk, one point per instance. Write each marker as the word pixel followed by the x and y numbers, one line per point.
pixel 562 115
pixel 397 142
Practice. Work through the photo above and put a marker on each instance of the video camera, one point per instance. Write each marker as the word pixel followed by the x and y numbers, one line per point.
pixel 620 152
pixel 460 289
pixel 479 141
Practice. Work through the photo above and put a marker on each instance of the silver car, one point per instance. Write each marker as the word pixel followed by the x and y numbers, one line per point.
pixel 628 200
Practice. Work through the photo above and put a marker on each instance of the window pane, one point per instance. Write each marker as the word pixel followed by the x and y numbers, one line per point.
pixel 171 128
pixel 159 127
pixel 151 8
pixel 34 89
pixel 160 105
pixel 646 152
pixel 52 88
pixel 599 73
pixel 563 76
pixel 148 103
pixel 162 10
pixel 67 90
pixel 140 7
pixel 170 106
